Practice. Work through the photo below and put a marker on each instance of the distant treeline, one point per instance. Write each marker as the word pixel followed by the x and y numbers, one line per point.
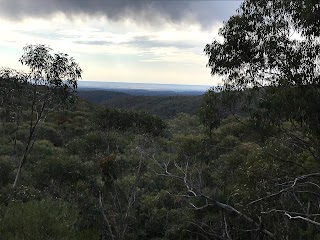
pixel 163 106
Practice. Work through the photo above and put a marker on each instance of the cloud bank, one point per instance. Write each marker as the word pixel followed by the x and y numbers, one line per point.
pixel 152 12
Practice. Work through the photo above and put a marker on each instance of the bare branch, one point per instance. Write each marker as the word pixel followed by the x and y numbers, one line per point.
pixel 105 216
pixel 292 185
pixel 303 218
pixel 212 202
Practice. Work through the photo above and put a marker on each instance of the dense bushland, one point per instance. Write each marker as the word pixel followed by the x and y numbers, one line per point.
pixel 246 168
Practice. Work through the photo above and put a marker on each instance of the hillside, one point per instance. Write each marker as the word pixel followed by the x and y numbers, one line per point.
pixel 163 106
pixel 91 166
pixel 166 107
pixel 100 96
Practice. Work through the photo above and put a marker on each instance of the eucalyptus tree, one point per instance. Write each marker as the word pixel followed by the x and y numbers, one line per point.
pixel 273 46
pixel 271 49
pixel 49 84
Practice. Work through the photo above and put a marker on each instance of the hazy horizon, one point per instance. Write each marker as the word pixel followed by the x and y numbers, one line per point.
pixel 142 86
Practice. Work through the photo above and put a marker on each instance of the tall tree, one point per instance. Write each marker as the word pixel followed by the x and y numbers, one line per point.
pixel 50 82
pixel 272 47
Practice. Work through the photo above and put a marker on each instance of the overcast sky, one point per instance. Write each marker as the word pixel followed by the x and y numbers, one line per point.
pixel 153 41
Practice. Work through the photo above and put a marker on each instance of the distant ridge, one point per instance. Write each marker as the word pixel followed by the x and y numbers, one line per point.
pixel 164 100
pixel 165 104
pixel 100 96
pixel 141 86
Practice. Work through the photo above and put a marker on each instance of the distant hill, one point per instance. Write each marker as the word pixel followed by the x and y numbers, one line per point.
pixel 142 92
pixel 156 102
pixel 129 86
pixel 165 107
pixel 100 96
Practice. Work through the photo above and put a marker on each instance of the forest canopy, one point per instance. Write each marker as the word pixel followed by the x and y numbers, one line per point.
pixel 245 167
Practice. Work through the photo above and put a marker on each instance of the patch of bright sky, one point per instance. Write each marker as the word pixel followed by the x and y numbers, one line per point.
pixel 113 51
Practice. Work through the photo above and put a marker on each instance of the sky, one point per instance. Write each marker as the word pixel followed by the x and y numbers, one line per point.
pixel 145 41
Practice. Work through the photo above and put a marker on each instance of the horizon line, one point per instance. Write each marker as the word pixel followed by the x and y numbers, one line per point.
pixel 156 83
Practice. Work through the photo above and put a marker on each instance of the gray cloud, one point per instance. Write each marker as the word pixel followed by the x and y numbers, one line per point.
pixel 151 12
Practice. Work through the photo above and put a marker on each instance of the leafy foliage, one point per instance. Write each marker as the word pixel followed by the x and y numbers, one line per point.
pixel 247 168
pixel 142 122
